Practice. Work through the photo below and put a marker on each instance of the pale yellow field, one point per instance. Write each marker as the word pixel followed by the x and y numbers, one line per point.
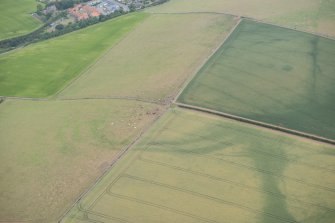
pixel 193 167
pixel 310 15
pixel 52 151
pixel 153 61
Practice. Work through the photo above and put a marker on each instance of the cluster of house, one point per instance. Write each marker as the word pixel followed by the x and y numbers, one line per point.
pixel 95 8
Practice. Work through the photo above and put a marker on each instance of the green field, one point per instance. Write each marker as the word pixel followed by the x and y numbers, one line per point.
pixel 273 75
pixel 155 60
pixel 194 167
pixel 52 151
pixel 310 15
pixel 16 18
pixel 42 69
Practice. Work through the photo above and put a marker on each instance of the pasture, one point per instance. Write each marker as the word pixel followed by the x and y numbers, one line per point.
pixel 273 75
pixel 194 167
pixel 154 60
pixel 41 69
pixel 16 18
pixel 52 151
pixel 309 15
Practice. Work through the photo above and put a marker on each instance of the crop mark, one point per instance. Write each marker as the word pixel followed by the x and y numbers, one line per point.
pixel 86 211
pixel 216 178
pixel 255 169
pixel 270 82
pixel 261 94
pixel 274 156
pixel 193 193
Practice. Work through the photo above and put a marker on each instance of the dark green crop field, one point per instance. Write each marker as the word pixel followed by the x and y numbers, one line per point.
pixel 271 74
pixel 194 167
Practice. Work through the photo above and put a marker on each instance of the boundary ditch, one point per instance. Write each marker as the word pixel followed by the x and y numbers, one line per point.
pixel 191 77
pixel 258 123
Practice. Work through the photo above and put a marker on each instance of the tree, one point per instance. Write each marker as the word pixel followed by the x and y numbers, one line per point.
pixel 132 7
pixel 39 9
pixel 59 27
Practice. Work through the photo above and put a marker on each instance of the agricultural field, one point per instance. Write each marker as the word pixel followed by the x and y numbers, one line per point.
pixel 52 151
pixel 41 69
pixel 310 15
pixel 195 167
pixel 90 129
pixel 154 60
pixel 16 18
pixel 273 75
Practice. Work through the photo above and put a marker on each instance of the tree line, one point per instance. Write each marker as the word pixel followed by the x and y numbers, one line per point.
pixel 40 34
pixel 66 4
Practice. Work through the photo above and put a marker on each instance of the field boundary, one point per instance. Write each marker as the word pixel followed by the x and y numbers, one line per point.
pixel 91 65
pixel 249 18
pixel 125 98
pixel 191 77
pixel 118 156
pixel 258 123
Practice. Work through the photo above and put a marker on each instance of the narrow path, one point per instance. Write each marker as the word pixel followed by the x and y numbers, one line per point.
pixel 115 98
pixel 157 102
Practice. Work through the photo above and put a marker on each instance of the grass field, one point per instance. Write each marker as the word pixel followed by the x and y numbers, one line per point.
pixel 193 167
pixel 41 69
pixel 273 75
pixel 310 15
pixel 16 18
pixel 154 61
pixel 51 151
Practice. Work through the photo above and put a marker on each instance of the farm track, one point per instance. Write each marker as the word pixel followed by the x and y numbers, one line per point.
pixel 89 98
